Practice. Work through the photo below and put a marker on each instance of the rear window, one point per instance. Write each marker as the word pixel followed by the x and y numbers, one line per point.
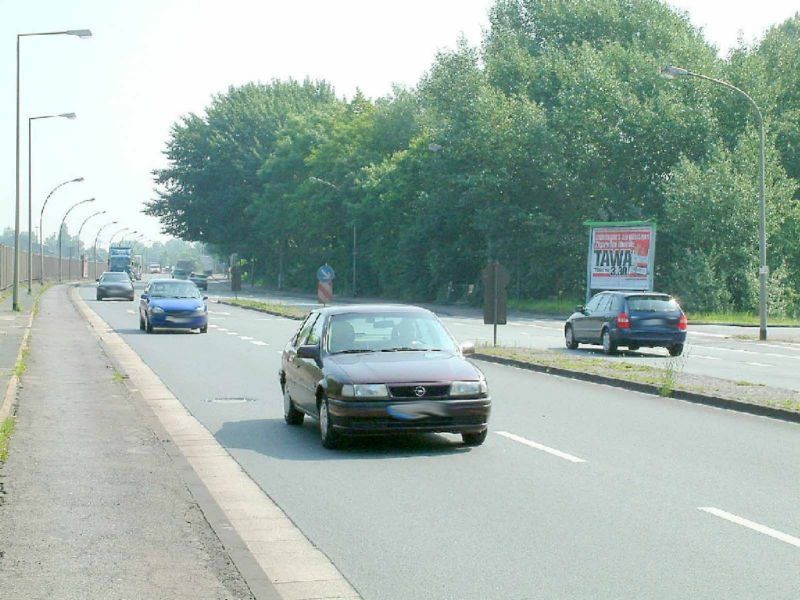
pixel 652 303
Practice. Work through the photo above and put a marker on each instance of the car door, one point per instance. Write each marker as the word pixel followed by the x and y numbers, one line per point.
pixel 292 362
pixel 309 371
pixel 580 325
pixel 599 317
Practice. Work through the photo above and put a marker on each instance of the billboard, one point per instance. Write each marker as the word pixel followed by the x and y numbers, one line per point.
pixel 621 256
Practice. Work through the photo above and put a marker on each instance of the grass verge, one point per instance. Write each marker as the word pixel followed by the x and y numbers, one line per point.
pixel 738 318
pixel 280 310
pixel 666 381
pixel 6 429
pixel 558 307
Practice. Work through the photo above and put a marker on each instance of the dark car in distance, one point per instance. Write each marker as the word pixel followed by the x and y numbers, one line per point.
pixel 180 274
pixel 630 319
pixel 382 369
pixel 114 284
pixel 172 304
pixel 201 281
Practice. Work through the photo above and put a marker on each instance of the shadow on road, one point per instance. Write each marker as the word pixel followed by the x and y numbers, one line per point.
pixel 273 437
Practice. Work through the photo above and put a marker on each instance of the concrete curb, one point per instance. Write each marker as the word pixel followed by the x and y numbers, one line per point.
pixel 273 556
pixel 706 399
pixel 261 310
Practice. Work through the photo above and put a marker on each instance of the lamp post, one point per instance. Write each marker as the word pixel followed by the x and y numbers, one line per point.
pixel 61 230
pixel 80 229
pixel 671 72
pixel 97 237
pixel 81 33
pixel 355 238
pixel 70 115
pixel 41 216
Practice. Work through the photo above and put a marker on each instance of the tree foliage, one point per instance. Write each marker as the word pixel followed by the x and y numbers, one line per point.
pixel 503 151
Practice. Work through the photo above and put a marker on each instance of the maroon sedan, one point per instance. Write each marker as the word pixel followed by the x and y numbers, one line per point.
pixel 379 369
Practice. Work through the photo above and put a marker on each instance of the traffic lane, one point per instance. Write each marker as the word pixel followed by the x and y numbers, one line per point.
pixel 272 451
pixel 700 451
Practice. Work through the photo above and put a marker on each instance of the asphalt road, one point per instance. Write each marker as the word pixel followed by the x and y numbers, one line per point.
pixel 712 350
pixel 580 491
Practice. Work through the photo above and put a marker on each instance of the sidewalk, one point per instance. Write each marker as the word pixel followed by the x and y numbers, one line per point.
pixel 93 506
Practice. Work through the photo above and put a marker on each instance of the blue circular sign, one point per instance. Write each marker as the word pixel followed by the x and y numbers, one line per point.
pixel 325 273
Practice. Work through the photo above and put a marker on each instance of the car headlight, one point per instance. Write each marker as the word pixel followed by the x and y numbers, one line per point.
pixel 200 311
pixel 469 388
pixel 157 310
pixel 365 391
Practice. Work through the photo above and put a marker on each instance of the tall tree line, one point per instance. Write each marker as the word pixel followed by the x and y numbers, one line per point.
pixel 504 150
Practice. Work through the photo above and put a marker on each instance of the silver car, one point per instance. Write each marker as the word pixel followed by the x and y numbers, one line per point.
pixel 114 284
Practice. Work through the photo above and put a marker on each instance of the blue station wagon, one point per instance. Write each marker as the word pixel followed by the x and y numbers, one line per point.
pixel 630 319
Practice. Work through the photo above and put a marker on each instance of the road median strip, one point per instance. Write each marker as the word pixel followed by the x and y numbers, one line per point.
pixel 278 310
pixel 670 382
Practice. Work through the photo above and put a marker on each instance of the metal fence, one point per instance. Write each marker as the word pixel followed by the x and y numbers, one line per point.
pixel 81 268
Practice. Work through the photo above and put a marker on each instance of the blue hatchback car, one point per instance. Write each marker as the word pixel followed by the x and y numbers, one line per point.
pixel 172 304
pixel 631 319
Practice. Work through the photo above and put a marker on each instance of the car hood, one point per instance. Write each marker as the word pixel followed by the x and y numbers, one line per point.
pixel 177 303
pixel 404 367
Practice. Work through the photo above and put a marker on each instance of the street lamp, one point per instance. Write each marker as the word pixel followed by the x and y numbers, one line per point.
pixel 41 216
pixel 81 33
pixel 671 72
pixel 61 230
pixel 80 229
pixel 115 234
pixel 70 115
pixel 97 237
pixel 355 239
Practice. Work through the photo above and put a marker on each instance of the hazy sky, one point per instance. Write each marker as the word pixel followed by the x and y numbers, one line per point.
pixel 151 61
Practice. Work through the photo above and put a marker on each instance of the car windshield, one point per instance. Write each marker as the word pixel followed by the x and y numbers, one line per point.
pixel 652 303
pixel 389 332
pixel 115 277
pixel 169 289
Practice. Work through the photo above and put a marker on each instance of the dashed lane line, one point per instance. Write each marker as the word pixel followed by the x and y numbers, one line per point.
pixel 246 338
pixel 542 447
pixel 259 343
pixel 773 533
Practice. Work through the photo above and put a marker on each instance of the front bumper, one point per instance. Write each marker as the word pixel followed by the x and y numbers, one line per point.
pixel 167 320
pixel 357 417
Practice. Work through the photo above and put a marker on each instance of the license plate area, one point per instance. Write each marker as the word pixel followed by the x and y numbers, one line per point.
pixel 414 411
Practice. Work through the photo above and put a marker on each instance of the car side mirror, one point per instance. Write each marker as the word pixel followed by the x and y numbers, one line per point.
pixel 309 351
pixel 205 297
pixel 144 296
pixel 580 308
pixel 97 280
pixel 467 348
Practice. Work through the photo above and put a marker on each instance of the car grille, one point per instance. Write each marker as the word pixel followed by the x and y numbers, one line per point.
pixel 180 313
pixel 410 391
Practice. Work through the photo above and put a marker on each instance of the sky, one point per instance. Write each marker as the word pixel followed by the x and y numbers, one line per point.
pixel 151 61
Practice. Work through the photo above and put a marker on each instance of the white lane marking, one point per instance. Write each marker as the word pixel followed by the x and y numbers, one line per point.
pixel 246 338
pixel 778 535
pixel 541 447
pixel 742 351
pixel 758 364
pixel 222 328
pixel 212 325
pixel 259 343
pixel 216 312
pixel 703 334
pixel 524 333
pixel 706 357
pixel 232 333
pixel 130 312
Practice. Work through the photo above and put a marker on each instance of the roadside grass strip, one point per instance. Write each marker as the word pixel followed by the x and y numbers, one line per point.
pixel 6 429
pixel 542 447
pixel 773 533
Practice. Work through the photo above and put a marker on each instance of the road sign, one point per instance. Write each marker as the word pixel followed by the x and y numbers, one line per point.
pixel 325 273
pixel 325 292
pixel 495 296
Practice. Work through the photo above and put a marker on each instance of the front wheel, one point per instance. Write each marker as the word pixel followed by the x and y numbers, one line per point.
pixel 141 322
pixel 569 338
pixel 675 349
pixel 609 347
pixel 148 326
pixel 290 414
pixel 474 438
pixel 330 439
pixel 204 329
